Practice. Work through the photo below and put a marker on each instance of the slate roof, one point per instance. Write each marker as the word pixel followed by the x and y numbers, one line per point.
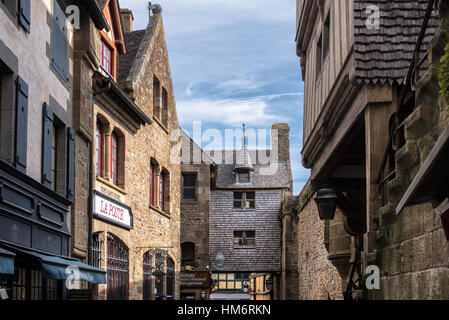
pixel 384 55
pixel 265 176
pixel 137 43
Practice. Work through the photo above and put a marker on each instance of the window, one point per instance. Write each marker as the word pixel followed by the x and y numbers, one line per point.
pixel 188 254
pixel 152 177
pixel 231 281
pixel 170 278
pixel 164 107
pixel 243 177
pixel 156 98
pixel 60 52
pixel 98 150
pixel 188 187
pixel 244 238
pixel 117 270
pixel 162 191
pixel 97 250
pixel 323 46
pixel 147 276
pixel 106 57
pixel 11 6
pixel 244 200
pixel 114 158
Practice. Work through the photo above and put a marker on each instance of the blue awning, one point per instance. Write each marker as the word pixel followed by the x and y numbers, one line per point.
pixel 65 268
pixel 6 262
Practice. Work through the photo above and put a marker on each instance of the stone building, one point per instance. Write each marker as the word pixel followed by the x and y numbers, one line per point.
pixel 197 179
pixel 37 143
pixel 370 86
pixel 135 185
pixel 245 233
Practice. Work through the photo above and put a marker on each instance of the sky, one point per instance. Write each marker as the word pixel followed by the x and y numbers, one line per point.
pixel 233 62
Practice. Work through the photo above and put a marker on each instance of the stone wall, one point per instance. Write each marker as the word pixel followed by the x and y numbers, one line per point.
pixel 153 228
pixel 411 249
pixel 309 274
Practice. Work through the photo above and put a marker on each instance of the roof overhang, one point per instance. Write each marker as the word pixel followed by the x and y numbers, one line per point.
pixel 97 15
pixel 430 183
pixel 132 108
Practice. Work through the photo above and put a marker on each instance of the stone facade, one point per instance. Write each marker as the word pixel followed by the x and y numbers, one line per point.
pixel 306 265
pixel 195 218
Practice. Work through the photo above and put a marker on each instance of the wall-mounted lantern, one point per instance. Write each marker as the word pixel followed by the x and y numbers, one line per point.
pixel 269 284
pixel 326 201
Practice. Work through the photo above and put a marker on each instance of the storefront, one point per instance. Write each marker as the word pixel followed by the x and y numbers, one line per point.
pixel 34 241
pixel 113 221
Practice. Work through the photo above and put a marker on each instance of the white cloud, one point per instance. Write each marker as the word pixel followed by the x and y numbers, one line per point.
pixel 229 112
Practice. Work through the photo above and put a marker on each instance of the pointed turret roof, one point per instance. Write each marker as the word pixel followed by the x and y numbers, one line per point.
pixel 243 160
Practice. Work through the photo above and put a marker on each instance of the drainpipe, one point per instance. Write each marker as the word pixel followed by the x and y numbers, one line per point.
pixel 91 176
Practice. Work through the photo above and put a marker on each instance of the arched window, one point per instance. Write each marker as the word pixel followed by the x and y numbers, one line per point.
pixel 152 184
pixel 98 150
pixel 170 278
pixel 147 275
pixel 159 266
pixel 117 270
pixel 114 158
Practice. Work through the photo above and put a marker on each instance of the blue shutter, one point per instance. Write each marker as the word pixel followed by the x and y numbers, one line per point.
pixel 20 160
pixel 70 163
pixel 25 14
pixel 47 152
pixel 60 41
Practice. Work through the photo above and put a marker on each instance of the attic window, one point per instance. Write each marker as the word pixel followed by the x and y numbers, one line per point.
pixel 243 177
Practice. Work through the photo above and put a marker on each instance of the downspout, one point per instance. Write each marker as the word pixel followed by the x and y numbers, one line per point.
pixel 91 176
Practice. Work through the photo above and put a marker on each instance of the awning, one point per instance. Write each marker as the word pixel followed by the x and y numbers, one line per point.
pixel 6 262
pixel 62 268
pixel 430 183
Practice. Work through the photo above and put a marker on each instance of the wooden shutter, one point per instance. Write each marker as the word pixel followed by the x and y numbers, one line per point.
pixel 70 163
pixel 60 40
pixel 20 160
pixel 25 14
pixel 47 152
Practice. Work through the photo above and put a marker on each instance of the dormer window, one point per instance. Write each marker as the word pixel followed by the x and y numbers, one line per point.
pixel 243 177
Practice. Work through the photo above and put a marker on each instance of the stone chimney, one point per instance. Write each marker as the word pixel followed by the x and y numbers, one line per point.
pixel 280 134
pixel 127 19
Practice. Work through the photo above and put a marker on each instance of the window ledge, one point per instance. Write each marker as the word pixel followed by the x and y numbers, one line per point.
pixel 235 210
pixel 159 122
pixel 244 247
pixel 111 185
pixel 165 214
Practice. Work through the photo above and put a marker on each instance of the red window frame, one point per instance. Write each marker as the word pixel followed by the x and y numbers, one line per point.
pixel 106 62
pixel 161 191
pixel 98 149
pixel 151 184
pixel 114 156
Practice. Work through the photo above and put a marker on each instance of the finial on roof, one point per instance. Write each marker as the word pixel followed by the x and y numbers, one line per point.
pixel 243 139
pixel 155 8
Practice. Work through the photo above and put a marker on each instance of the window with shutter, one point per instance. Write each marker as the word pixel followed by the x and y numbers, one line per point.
pixel 21 131
pixel 25 14
pixel 60 40
pixel 47 147
pixel 70 163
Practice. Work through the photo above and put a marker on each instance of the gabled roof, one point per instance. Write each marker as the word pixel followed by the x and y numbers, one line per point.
pixel 384 54
pixel 140 44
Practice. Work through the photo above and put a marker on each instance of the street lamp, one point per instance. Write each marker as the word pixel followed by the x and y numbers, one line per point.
pixel 203 295
pixel 326 201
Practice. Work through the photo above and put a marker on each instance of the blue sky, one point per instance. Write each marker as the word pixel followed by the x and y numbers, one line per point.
pixel 233 62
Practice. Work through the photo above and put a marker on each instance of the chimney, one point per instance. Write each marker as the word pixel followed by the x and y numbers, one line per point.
pixel 127 19
pixel 280 135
